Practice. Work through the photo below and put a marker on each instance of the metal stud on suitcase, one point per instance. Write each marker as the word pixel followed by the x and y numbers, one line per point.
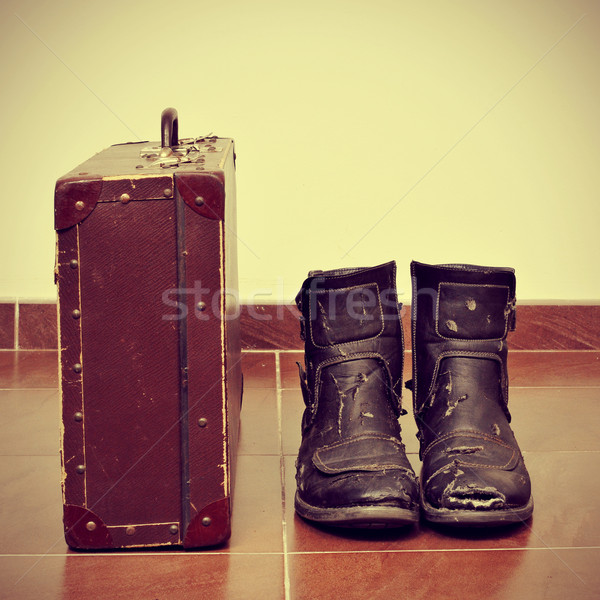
pixel 150 351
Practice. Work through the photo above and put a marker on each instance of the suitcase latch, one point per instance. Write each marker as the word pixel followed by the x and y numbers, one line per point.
pixel 188 151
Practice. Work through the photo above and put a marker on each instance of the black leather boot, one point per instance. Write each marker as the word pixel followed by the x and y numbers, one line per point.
pixel 352 469
pixel 473 472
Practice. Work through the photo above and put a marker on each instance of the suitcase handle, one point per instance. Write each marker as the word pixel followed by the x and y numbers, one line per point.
pixel 169 128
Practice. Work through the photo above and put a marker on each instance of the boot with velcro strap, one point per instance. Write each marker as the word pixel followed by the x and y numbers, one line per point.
pixel 473 472
pixel 352 470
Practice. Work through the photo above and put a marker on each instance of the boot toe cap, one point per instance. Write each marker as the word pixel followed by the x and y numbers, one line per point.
pixel 394 487
pixel 368 469
pixel 465 487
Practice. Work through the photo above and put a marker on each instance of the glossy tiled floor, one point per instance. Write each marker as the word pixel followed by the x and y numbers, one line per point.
pixel 555 401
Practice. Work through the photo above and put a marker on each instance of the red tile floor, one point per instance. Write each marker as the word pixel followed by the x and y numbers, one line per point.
pixel 555 401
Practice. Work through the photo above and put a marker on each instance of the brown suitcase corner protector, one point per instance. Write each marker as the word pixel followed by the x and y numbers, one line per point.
pixel 210 527
pixel 204 193
pixel 84 530
pixel 75 199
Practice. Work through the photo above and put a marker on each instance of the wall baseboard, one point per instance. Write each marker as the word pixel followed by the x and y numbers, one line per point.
pixel 32 326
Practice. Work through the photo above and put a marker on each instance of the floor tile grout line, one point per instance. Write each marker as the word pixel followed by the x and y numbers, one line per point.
pixel 269 350
pixel 512 387
pixel 22 390
pixel 553 387
pixel 183 554
pixel 547 350
pixel 53 455
pixel 512 350
pixel 439 550
pixel 298 552
pixel 416 452
pixel 286 575
pixel 297 388
pixel 300 350
pixel 24 350
pixel 560 451
pixel 56 454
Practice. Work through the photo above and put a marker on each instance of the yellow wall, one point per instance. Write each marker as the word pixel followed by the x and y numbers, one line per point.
pixel 464 131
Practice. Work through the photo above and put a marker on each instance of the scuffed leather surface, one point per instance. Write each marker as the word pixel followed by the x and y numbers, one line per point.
pixel 346 315
pixel 471 311
pixel 471 459
pixel 351 452
pixel 369 452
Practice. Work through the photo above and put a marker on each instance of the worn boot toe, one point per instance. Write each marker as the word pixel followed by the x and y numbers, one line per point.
pixel 467 479
pixel 366 480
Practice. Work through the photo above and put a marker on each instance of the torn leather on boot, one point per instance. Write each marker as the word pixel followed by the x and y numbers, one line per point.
pixel 352 468
pixel 473 472
pixel 362 453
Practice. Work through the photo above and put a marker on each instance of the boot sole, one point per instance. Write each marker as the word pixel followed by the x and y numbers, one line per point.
pixel 366 516
pixel 476 518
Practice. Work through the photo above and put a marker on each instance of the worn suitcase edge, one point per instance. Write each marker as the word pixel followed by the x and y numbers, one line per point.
pixel 78 192
pixel 76 198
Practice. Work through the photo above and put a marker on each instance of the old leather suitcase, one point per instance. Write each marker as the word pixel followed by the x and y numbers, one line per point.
pixel 149 342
